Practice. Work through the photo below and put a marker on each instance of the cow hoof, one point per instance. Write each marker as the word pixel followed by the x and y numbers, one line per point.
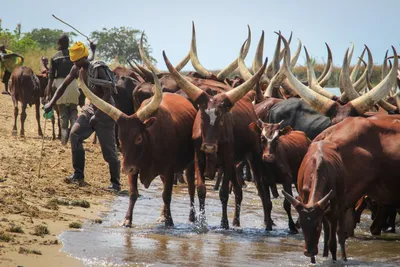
pixel 313 259
pixel 236 222
pixel 14 132
pixel 225 224
pixel 192 217
pixel 293 231
pixel 127 224
pixel 161 219
pixel 376 232
pixel 169 222
pixel 390 230
pixel 40 134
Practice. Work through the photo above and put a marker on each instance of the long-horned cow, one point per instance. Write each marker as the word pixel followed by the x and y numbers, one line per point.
pixel 155 140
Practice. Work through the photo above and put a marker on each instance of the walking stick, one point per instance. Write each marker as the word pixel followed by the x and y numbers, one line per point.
pixel 72 27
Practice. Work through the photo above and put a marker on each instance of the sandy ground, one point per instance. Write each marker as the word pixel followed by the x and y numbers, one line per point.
pixel 24 197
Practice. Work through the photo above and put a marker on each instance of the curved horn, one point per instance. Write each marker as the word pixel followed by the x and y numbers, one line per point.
pixel 361 83
pixel 145 112
pixel 327 72
pixel 136 69
pixel 243 70
pixel 228 70
pixel 190 89
pixel 273 66
pixel 293 60
pixel 195 60
pixel 295 203
pixel 385 68
pixel 183 63
pixel 364 102
pixel 317 101
pixel 324 201
pixel 354 72
pixel 146 73
pixel 282 52
pixel 351 52
pixel 258 58
pixel 345 80
pixel 145 60
pixel 108 109
pixel 237 93
pixel 312 79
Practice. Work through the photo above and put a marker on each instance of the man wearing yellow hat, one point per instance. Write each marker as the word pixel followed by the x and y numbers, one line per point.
pixel 8 62
pixel 100 80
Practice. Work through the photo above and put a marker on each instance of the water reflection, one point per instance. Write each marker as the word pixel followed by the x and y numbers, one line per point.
pixel 185 244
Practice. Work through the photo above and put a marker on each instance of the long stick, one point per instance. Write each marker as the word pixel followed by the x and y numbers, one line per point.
pixel 71 27
pixel 41 150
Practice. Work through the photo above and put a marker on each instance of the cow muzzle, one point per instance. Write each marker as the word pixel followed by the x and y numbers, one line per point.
pixel 209 148
pixel 268 158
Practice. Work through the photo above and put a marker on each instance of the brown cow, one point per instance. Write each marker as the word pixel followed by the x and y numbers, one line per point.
pixel 282 153
pixel 155 140
pixel 26 88
pixel 221 135
pixel 321 190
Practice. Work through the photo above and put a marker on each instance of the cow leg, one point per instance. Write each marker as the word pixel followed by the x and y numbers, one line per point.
pixel 332 232
pixel 200 183
pixel 340 233
pixel 94 139
pixel 262 188
pixel 237 187
pixel 224 194
pixel 53 126
pixel 14 130
pixel 219 178
pixel 167 193
pixel 133 196
pixel 287 206
pixel 37 106
pixel 390 223
pixel 379 220
pixel 23 117
pixel 325 224
pixel 191 188
pixel 247 173
pixel 239 173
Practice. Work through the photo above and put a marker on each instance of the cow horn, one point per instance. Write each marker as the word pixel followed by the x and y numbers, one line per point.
pixel 273 67
pixel 190 89
pixel 195 60
pixel 312 80
pixel 356 68
pixel 145 112
pixel 282 53
pixel 146 73
pixel 327 72
pixel 183 63
pixel 258 58
pixel 345 80
pixel 366 101
pixel 351 52
pixel 324 201
pixel 237 93
pixel 145 60
pixel 317 101
pixel 233 66
pixel 243 70
pixel 293 60
pixel 385 68
pixel 280 122
pixel 295 203
pixel 135 68
pixel 108 109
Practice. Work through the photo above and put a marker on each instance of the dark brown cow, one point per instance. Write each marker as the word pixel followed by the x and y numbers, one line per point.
pixel 221 135
pixel 321 191
pixel 156 140
pixel 26 88
pixel 282 153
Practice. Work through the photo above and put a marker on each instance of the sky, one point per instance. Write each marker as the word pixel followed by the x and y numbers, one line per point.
pixel 221 26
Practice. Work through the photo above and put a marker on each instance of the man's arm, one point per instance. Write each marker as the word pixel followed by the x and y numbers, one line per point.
pixel 61 89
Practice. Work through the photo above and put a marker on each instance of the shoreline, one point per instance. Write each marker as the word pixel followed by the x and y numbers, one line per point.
pixel 29 202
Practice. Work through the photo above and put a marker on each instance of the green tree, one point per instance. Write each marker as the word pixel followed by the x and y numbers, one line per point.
pixel 121 43
pixel 47 38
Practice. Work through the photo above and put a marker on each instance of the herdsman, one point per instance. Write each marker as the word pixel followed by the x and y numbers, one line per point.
pixel 60 67
pixel 9 61
pixel 100 80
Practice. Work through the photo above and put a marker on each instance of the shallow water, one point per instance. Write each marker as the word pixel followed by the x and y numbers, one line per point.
pixel 185 244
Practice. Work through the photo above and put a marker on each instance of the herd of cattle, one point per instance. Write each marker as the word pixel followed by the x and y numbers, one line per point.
pixel 342 153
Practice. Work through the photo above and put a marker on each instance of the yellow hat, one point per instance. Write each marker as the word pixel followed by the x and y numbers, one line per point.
pixel 78 51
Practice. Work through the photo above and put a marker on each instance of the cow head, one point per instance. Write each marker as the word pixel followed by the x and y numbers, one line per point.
pixel 134 130
pixel 269 134
pixel 310 218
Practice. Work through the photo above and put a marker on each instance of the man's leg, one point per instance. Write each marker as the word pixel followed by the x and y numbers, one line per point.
pixel 64 116
pixel 79 132
pixel 72 112
pixel 105 130
pixel 6 78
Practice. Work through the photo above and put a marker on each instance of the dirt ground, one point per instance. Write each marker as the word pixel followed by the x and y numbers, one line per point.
pixel 30 204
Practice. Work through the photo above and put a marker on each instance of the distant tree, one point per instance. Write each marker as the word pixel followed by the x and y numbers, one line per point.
pixel 47 38
pixel 121 43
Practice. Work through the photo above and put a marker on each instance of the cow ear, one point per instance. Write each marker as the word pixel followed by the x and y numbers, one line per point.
pixel 149 122
pixel 285 130
pixel 255 128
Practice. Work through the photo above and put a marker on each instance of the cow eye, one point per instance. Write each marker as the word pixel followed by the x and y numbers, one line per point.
pixel 138 139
